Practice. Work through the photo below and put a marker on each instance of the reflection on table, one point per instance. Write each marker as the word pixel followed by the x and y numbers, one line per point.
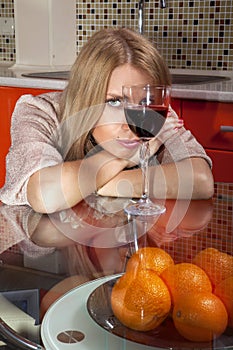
pixel 57 252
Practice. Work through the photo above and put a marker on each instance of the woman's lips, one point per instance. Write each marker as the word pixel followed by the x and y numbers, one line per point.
pixel 128 143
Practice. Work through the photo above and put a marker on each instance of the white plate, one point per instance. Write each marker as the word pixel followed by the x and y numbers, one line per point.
pixel 69 313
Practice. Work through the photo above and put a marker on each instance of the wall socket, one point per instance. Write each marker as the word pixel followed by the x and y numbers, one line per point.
pixel 7 26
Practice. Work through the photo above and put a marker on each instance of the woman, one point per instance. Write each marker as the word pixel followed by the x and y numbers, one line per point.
pixel 62 150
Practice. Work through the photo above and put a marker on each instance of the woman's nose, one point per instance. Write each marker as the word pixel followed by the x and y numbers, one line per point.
pixel 125 126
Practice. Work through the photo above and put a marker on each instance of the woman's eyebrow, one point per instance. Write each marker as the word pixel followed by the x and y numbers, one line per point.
pixel 115 96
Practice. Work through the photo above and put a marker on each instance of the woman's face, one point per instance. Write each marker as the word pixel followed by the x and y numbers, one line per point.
pixel 112 130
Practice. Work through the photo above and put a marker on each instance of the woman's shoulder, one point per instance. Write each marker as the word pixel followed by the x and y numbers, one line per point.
pixel 43 101
pixel 43 109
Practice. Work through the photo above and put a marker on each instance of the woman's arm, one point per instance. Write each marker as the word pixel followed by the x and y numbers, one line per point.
pixel 186 179
pixel 62 186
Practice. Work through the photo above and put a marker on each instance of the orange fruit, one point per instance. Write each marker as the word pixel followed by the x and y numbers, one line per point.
pixel 142 301
pixel 200 316
pixel 152 258
pixel 184 278
pixel 216 264
pixel 224 290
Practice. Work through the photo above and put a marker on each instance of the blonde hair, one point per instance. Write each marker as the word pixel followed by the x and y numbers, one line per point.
pixel 105 50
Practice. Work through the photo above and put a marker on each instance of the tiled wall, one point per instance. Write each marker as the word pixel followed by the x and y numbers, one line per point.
pixel 216 234
pixel 190 34
pixel 7 42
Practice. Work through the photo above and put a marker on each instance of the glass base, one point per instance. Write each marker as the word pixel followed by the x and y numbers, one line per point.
pixel 145 208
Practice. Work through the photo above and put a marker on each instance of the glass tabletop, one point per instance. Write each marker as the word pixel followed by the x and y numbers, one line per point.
pixel 42 257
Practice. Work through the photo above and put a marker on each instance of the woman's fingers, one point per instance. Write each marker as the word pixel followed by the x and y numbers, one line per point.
pixel 172 123
pixel 172 113
pixel 170 127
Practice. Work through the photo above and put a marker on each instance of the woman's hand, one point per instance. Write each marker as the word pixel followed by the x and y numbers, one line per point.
pixel 171 126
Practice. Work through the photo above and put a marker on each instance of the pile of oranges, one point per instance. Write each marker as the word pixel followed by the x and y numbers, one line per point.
pixel 198 295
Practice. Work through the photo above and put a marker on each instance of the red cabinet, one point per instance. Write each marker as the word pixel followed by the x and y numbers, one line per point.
pixel 176 105
pixel 212 124
pixel 8 98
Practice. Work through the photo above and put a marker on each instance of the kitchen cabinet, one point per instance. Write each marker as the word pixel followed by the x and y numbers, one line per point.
pixel 212 124
pixel 8 98
pixel 176 105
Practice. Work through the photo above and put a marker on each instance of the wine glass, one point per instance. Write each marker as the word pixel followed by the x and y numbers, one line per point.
pixel 145 108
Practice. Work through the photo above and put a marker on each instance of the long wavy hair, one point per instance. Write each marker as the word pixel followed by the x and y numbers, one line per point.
pixel 89 78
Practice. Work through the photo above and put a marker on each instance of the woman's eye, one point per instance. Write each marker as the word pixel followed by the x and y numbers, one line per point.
pixel 114 102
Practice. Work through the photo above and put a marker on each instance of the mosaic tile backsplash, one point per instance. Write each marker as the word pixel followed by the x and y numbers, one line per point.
pixel 189 34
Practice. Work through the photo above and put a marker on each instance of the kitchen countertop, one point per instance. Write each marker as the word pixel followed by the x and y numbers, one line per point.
pixel 52 254
pixel 14 78
pixel 221 91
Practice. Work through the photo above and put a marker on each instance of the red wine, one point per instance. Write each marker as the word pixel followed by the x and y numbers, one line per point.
pixel 147 121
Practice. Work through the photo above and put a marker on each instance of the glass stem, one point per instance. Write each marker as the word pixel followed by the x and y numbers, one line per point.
pixel 144 161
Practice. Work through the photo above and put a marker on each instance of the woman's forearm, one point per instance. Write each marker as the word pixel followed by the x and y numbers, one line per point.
pixel 64 185
pixel 186 179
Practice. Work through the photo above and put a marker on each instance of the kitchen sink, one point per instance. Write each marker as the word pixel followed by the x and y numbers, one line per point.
pixel 181 79
pixel 61 75
pixel 192 79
